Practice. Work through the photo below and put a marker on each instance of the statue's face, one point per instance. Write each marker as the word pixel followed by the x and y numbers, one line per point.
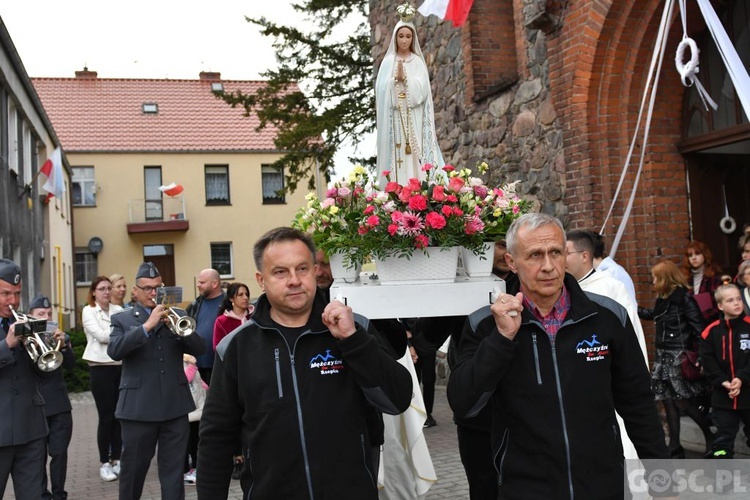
pixel 404 38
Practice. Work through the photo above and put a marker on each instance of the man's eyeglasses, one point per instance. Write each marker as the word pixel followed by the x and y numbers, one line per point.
pixel 149 289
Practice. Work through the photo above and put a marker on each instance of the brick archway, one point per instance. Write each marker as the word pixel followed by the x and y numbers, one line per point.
pixel 602 56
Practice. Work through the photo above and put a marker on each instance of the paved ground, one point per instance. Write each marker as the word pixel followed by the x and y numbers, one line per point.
pixel 83 465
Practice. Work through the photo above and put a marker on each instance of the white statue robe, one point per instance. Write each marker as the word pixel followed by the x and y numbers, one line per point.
pixel 411 117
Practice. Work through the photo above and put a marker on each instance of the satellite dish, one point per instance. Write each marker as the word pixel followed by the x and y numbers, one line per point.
pixel 95 245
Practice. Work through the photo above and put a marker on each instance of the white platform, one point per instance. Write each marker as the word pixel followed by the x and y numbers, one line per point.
pixel 375 301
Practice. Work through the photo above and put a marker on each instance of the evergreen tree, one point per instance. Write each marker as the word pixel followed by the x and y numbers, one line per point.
pixel 334 64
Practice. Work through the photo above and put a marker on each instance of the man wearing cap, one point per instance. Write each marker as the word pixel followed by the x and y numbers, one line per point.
pixel 154 396
pixel 57 406
pixel 23 428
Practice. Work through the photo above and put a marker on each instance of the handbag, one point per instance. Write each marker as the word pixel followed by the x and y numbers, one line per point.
pixel 689 366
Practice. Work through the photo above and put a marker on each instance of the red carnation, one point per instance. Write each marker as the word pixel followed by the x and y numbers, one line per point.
pixel 435 220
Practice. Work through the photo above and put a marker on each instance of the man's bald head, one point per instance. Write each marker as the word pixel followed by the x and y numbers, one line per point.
pixel 209 283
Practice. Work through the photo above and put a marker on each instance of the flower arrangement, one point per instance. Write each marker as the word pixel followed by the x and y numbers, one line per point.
pixel 449 208
pixel 333 221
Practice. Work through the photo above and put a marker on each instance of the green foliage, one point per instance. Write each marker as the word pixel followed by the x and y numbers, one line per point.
pixel 77 379
pixel 334 65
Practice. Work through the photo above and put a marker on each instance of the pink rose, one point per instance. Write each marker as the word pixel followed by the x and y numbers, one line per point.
pixel 418 203
pixel 480 191
pixel 421 241
pixel 392 187
pixel 455 184
pixel 435 220
pixel 344 191
pixel 331 193
pixel 438 194
pixel 405 194
pixel 414 184
pixel 328 202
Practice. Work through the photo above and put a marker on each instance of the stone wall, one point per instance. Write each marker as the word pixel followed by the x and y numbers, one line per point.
pixel 515 130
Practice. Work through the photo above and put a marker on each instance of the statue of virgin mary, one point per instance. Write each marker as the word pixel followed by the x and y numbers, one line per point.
pixel 405 115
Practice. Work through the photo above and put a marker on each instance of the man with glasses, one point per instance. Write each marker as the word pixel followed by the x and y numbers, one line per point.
pixel 154 393
pixel 23 428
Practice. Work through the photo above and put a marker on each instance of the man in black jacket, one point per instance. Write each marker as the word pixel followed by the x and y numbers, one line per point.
pixel 555 363
pixel 294 384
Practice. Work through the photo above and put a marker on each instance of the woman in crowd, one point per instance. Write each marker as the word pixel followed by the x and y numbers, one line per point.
pixel 743 280
pixel 234 311
pixel 703 276
pixel 198 389
pixel 406 136
pixel 104 374
pixel 679 323
pixel 119 291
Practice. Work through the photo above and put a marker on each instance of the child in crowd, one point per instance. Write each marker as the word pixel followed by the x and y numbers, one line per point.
pixel 198 389
pixel 725 352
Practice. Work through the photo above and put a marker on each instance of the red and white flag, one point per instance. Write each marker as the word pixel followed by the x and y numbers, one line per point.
pixel 171 189
pixel 52 168
pixel 451 10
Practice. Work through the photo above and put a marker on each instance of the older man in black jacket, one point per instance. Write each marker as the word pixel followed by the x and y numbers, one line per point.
pixel 554 363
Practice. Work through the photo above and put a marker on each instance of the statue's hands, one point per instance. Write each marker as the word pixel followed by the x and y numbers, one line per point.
pixel 400 71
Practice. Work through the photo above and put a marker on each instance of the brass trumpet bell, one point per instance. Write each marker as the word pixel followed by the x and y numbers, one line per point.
pixel 47 358
pixel 180 325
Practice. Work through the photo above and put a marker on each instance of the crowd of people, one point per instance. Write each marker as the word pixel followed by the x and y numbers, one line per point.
pixel 543 375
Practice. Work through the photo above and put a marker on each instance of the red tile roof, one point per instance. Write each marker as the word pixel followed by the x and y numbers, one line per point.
pixel 92 114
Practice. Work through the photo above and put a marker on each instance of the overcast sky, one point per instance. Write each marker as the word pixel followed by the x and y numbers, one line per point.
pixel 149 39
pixel 143 38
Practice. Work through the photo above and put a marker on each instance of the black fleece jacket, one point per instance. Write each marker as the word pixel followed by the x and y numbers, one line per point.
pixel 300 410
pixel 725 354
pixel 553 403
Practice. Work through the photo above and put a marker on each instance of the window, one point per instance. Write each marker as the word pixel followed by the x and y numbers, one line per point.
pixel 221 259
pixel 154 203
pixel 273 184
pixel 150 108
pixel 217 184
pixel 12 137
pixel 84 187
pixel 86 267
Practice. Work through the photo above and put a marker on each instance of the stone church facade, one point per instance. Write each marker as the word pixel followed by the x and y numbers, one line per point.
pixel 548 92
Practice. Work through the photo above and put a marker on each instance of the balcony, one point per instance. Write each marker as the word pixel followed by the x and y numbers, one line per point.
pixel 158 215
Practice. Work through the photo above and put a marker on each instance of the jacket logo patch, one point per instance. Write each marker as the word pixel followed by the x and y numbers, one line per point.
pixel 592 349
pixel 327 363
pixel 744 341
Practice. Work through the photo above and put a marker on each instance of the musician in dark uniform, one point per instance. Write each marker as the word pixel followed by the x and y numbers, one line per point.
pixel 23 428
pixel 57 407
pixel 155 398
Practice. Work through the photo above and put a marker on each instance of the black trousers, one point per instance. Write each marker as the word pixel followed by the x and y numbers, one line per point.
pixel 24 463
pixel 727 424
pixel 60 433
pixel 475 448
pixel 105 388
pixel 140 440
pixel 191 456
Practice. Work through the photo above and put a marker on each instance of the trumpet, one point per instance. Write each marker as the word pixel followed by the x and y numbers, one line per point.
pixel 46 357
pixel 181 326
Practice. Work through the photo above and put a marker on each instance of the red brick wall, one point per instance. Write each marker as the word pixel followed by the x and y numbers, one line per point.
pixel 598 67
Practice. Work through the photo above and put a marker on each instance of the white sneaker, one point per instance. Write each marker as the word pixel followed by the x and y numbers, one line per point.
pixel 106 473
pixel 116 468
pixel 190 477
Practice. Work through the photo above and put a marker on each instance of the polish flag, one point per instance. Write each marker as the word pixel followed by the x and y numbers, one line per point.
pixel 171 189
pixel 52 168
pixel 451 10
